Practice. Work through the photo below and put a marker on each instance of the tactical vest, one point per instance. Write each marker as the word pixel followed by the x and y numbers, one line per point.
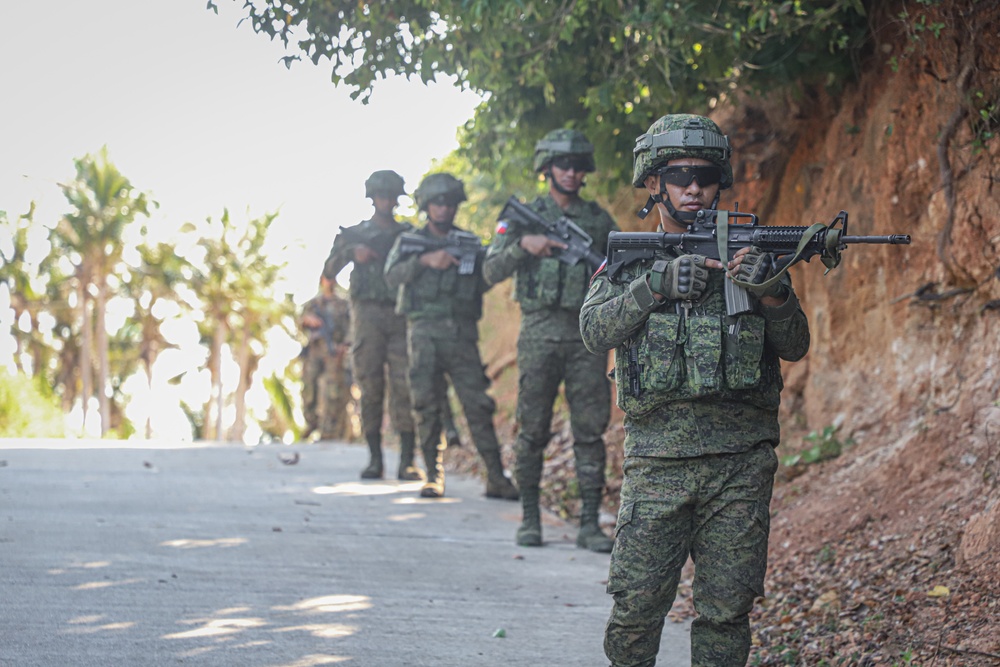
pixel 367 280
pixel 686 355
pixel 545 282
pixel 443 294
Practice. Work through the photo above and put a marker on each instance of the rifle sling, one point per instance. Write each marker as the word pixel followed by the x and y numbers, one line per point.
pixel 722 236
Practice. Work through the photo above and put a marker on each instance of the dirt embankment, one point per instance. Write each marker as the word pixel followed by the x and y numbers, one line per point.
pixel 889 553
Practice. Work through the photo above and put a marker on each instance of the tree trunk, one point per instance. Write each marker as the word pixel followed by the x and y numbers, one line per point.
pixel 86 344
pixel 213 411
pixel 243 359
pixel 103 371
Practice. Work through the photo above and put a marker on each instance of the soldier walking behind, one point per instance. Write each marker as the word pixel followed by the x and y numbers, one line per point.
pixel 379 334
pixel 701 411
pixel 550 350
pixel 443 307
pixel 326 388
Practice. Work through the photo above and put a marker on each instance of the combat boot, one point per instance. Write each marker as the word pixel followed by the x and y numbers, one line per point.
pixel 528 473
pixel 498 485
pixel 407 471
pixel 591 536
pixel 374 469
pixel 434 486
pixel 529 533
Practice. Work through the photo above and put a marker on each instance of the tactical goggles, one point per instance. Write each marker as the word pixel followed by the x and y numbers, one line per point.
pixel 682 176
pixel 567 162
pixel 442 200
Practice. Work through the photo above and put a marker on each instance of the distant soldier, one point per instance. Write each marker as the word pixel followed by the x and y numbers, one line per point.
pixel 326 385
pixel 550 350
pixel 442 298
pixel 379 334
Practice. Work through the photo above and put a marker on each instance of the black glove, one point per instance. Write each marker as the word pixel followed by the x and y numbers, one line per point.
pixel 758 266
pixel 681 279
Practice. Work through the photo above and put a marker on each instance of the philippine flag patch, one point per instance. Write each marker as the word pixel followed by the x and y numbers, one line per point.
pixel 502 227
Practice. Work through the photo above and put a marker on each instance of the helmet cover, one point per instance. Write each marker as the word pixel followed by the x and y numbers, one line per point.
pixel 678 136
pixel 384 183
pixel 437 185
pixel 563 142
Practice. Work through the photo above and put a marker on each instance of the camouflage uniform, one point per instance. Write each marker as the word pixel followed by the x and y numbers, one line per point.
pixel 378 335
pixel 326 385
pixel 699 456
pixel 443 309
pixel 550 352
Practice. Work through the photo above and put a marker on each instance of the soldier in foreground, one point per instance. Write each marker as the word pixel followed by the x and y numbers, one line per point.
pixel 549 348
pixel 379 334
pixel 700 393
pixel 326 388
pixel 438 271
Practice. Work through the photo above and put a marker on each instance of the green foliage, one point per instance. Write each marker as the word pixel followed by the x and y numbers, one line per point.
pixel 986 117
pixel 26 410
pixel 825 446
pixel 606 67
pixel 281 415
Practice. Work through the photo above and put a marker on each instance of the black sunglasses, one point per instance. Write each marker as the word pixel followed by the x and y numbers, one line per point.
pixel 567 162
pixel 682 176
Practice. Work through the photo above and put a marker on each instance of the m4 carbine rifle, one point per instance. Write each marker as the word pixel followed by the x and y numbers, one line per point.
pixel 464 246
pixel 579 245
pixel 712 235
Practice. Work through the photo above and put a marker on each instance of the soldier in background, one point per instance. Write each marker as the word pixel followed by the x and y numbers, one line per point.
pixel 700 394
pixel 326 384
pixel 443 307
pixel 379 334
pixel 550 351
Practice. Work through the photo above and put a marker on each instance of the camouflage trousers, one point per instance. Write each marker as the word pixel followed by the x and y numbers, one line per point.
pixel 543 366
pixel 379 354
pixel 714 508
pixel 326 392
pixel 433 361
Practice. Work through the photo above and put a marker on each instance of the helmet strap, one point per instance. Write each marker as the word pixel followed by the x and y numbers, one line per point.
pixel 648 206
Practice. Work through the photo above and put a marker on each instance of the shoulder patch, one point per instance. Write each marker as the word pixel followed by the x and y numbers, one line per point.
pixel 502 227
pixel 599 270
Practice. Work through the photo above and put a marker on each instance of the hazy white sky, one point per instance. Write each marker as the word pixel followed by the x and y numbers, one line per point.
pixel 203 115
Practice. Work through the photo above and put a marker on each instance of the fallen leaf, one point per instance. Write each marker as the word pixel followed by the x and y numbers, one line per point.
pixel 939 592
pixel 500 633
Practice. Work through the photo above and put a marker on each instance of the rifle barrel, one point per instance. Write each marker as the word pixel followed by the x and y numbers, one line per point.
pixel 892 239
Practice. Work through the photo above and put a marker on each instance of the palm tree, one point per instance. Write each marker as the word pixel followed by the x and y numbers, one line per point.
pixel 17 274
pixel 233 282
pixel 103 203
pixel 155 279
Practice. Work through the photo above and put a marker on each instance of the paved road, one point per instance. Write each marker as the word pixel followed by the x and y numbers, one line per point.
pixel 223 555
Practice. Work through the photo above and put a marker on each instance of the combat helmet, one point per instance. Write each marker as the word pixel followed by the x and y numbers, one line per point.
pixel 563 142
pixel 678 136
pixel 384 183
pixel 437 185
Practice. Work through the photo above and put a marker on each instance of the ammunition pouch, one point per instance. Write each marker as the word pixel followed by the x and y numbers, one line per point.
pixel 686 357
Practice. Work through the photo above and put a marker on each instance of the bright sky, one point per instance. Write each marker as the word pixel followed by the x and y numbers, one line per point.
pixel 203 115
